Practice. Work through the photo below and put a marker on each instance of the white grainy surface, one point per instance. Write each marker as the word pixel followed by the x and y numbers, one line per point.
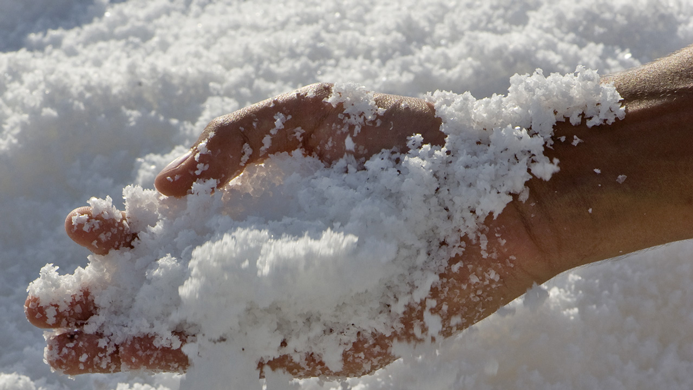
pixel 94 96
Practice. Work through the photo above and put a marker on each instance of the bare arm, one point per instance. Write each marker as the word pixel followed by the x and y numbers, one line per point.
pixel 578 217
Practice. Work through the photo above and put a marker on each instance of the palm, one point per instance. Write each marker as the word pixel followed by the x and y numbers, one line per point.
pixel 492 282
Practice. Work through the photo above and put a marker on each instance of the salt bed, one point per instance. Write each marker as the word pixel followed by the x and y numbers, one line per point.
pixel 95 96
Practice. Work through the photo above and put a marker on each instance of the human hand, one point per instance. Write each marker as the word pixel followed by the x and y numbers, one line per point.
pixel 308 123
pixel 577 217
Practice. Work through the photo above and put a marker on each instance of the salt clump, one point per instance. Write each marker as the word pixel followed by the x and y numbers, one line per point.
pixel 296 257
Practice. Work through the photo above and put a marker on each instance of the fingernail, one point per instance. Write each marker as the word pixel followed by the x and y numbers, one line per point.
pixel 173 165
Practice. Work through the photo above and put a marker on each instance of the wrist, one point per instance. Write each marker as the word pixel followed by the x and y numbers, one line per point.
pixel 623 187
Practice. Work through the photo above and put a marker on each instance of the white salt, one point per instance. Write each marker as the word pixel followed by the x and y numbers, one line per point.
pixel 349 144
pixel 104 208
pixel 266 143
pixel 335 252
pixel 247 152
pixel 358 104
pixel 103 94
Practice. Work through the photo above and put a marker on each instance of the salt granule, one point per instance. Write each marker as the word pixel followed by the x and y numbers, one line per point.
pixel 247 152
pixel 297 254
pixel 87 223
pixel 349 144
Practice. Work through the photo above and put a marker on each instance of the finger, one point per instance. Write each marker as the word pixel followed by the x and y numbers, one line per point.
pixel 75 313
pixel 366 355
pixel 231 142
pixel 143 353
pixel 75 352
pixel 303 119
pixel 98 233
pixel 398 118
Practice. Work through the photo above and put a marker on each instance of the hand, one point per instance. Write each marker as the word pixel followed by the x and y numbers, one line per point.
pixel 223 138
pixel 576 218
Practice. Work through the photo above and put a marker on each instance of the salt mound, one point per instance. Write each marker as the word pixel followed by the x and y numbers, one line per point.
pixel 293 249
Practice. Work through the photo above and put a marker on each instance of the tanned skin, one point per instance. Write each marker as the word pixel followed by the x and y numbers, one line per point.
pixel 549 233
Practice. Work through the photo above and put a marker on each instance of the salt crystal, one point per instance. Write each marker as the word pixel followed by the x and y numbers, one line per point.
pixel 247 152
pixel 349 144
pixel 201 168
pixel 266 143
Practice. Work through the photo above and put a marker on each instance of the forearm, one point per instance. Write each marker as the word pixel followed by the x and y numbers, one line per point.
pixel 585 213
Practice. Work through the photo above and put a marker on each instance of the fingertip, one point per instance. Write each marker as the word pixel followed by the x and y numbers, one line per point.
pixel 82 228
pixel 99 233
pixel 75 221
pixel 80 308
pixel 35 314
pixel 177 178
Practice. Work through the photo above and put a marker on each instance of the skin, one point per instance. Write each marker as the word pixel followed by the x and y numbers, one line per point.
pixel 530 242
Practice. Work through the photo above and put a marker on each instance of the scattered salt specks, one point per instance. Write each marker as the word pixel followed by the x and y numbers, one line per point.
pixel 103 94
pixel 279 120
pixel 202 147
pixel 86 221
pixel 359 106
pixel 201 168
pixel 266 143
pixel 299 254
pixel 589 210
pixel 349 143
pixel 621 178
pixel 576 140
pixel 247 152
pixel 298 133
pixel 597 171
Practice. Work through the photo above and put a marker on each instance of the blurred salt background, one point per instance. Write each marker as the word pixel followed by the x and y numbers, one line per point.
pixel 95 96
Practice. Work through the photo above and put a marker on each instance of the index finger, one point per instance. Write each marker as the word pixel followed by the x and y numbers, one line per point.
pixel 247 136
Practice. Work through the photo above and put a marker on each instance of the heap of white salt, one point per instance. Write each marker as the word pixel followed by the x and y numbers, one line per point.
pixel 295 249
